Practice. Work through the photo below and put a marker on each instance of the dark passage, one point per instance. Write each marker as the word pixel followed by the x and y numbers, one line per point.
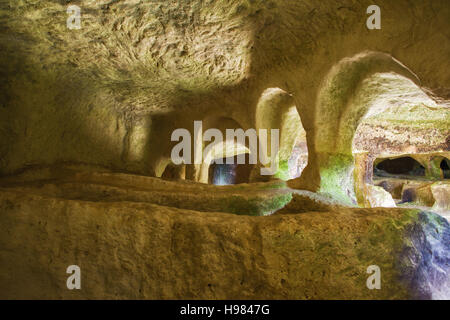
pixel 405 166
pixel 445 168
pixel 225 174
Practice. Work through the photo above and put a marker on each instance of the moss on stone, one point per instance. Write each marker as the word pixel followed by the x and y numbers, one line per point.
pixel 276 203
pixel 337 178
pixel 283 170
pixel 275 185
pixel 255 206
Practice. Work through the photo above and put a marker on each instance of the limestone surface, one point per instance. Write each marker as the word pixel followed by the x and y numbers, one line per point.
pixel 130 248
pixel 86 170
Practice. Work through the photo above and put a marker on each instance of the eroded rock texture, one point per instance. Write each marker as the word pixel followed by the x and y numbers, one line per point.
pixel 87 177
pixel 135 247
pixel 138 70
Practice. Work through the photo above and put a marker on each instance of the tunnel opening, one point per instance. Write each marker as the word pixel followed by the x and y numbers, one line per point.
pixel 445 167
pixel 408 196
pixel 221 173
pixel 399 167
pixel 298 159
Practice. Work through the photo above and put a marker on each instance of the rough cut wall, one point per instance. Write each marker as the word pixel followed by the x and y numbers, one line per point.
pixel 136 249
pixel 109 94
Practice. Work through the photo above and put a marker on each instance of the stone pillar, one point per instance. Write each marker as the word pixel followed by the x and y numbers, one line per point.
pixel 362 175
pixel 433 168
pixel 310 177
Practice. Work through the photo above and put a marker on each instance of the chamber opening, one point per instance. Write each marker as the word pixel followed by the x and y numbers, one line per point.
pixel 445 167
pixel 226 174
pixel 404 166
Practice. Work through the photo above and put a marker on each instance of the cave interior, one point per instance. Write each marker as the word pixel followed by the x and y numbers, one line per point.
pixel 226 149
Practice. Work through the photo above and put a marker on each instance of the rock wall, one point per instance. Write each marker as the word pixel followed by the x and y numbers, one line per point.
pixel 111 93
pixel 140 250
pixel 108 96
pixel 141 237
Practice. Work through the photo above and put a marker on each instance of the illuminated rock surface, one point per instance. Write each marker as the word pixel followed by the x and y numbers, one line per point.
pixel 86 118
pixel 378 197
pixel 148 244
pixel 131 247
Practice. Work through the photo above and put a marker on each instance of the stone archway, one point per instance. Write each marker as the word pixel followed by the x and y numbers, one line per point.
pixel 352 91
pixel 222 173
pixel 276 109
pixel 215 155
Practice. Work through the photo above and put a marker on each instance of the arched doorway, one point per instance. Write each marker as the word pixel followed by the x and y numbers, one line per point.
pixel 227 171
pixel 276 109
pixel 398 167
